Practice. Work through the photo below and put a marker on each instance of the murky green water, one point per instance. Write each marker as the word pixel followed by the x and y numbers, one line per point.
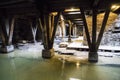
pixel 21 68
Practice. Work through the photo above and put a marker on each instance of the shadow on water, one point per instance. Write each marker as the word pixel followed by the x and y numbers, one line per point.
pixel 111 65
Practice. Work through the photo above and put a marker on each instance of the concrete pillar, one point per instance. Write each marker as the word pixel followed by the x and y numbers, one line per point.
pixel 6 32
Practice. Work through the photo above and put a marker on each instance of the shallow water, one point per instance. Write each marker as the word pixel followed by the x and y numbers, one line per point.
pixel 24 68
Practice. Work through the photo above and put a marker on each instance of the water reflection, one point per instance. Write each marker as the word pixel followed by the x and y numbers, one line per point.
pixel 14 67
pixel 77 64
pixel 62 68
pixel 74 79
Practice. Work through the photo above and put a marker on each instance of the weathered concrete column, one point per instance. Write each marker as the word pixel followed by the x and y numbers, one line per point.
pixel 6 32
pixel 34 27
pixel 48 24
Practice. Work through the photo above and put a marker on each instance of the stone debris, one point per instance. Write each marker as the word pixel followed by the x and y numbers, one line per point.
pixel 112 36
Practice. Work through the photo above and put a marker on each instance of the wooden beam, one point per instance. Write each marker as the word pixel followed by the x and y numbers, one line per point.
pixel 34 26
pixel 48 28
pixel 45 32
pixel 7 25
pixel 4 26
pixel 56 20
pixel 86 27
pixel 94 29
pixel 8 4
pixel 2 36
pixel 107 12
pixel 42 25
pixel 42 29
pixel 70 26
pixel 11 30
pixel 52 24
pixel 95 3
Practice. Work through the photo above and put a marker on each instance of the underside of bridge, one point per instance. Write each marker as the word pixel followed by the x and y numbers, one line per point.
pixel 45 16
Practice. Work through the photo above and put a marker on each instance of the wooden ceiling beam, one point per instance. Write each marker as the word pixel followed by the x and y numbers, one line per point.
pixel 12 3
pixel 95 3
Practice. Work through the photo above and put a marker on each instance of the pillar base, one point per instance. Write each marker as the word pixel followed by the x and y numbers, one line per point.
pixel 69 40
pixel 7 49
pixel 93 57
pixel 47 53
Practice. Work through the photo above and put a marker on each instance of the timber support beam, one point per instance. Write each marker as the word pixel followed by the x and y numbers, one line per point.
pixel 6 32
pixel 106 15
pixel 93 55
pixel 34 27
pixel 48 24
pixel 69 36
pixel 93 41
